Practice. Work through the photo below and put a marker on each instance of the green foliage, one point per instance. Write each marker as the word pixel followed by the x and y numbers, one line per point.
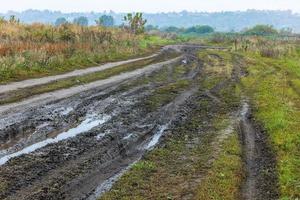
pixel 261 30
pixel 106 21
pixel 135 22
pixel 199 29
pixel 144 165
pixel 151 27
pixel 172 29
pixel 60 21
pixel 81 21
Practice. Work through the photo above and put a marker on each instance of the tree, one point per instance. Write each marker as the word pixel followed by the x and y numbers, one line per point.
pixel 151 27
pixel 60 21
pixel 172 29
pixel 200 29
pixel 261 30
pixel 105 20
pixel 82 21
pixel 136 23
pixel 14 20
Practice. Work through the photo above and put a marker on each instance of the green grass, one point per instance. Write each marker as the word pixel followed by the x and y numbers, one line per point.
pixel 277 106
pixel 174 171
pixel 225 177
pixel 165 94
pixel 152 40
pixel 66 83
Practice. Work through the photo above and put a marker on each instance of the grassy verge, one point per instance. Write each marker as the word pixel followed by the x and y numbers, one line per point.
pixel 66 83
pixel 225 177
pixel 273 85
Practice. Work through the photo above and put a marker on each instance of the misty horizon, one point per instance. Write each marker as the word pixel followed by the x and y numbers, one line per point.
pixel 154 6
pixel 121 12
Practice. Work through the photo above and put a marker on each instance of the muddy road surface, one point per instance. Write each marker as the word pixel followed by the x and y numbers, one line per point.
pixel 68 143
pixel 74 143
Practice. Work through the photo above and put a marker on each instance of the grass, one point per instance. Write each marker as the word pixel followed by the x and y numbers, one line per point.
pixel 272 84
pixel 36 50
pixel 165 94
pixel 225 177
pixel 66 83
pixel 175 170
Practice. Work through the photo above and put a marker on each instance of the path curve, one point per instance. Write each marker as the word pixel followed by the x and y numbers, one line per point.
pixel 44 80
pixel 12 86
pixel 64 93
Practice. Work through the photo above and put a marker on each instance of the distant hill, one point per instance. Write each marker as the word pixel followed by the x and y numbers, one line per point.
pixel 221 21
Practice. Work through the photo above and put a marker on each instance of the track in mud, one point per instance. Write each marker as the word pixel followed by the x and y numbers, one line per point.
pixel 44 154
pixel 260 164
pixel 75 146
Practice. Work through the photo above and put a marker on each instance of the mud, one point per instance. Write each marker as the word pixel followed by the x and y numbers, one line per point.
pixel 260 164
pixel 75 143
pixel 81 72
pixel 70 146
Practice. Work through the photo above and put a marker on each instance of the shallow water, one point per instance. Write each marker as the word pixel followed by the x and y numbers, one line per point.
pixel 90 122
pixel 156 137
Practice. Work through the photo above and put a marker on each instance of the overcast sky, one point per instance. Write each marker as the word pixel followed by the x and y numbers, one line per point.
pixel 149 5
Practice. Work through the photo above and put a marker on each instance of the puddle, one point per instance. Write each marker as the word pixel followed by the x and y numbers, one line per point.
pixel 244 110
pixel 156 137
pixel 127 137
pixel 85 126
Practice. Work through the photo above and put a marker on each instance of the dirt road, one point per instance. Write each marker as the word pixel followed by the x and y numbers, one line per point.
pixel 74 143
pixel 39 81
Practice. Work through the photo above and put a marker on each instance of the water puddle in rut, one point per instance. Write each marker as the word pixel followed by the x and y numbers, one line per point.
pixel 88 124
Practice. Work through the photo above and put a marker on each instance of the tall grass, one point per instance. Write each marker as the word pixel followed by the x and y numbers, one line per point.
pixel 39 49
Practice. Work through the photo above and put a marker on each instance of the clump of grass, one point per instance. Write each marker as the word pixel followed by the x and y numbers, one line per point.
pixel 165 94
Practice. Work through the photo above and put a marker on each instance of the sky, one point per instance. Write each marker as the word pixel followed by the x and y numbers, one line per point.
pixel 149 5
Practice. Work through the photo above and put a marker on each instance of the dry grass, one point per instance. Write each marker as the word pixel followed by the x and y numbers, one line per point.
pixel 37 50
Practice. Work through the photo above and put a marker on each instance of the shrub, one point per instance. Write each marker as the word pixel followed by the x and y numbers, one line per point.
pixel 261 30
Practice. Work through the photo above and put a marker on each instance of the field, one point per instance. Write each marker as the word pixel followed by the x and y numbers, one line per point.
pixel 216 117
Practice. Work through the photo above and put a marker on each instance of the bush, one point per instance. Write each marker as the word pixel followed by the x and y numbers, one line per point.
pixel 200 29
pixel 261 30
pixel 60 21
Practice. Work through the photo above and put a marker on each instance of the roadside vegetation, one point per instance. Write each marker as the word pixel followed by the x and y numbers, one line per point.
pixel 271 80
pixel 38 50
pixel 273 84
pixel 20 94
pixel 193 161
pixel 272 61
